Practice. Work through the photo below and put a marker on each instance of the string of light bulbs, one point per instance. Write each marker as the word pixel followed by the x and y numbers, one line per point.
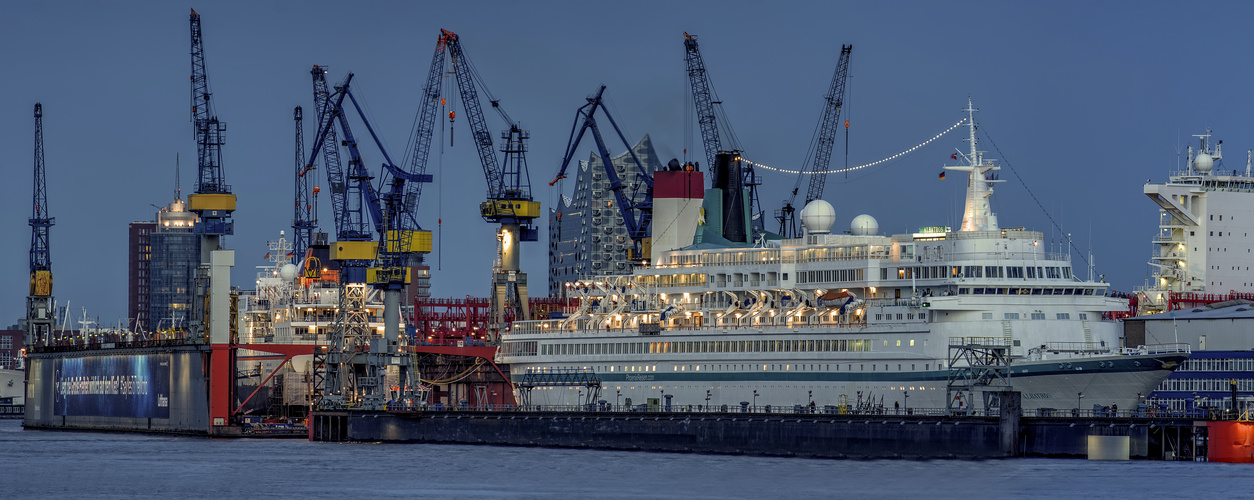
pixel 868 165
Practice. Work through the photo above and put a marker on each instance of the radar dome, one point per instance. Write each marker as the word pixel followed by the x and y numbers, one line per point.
pixel 864 225
pixel 818 216
pixel 1203 163
pixel 288 272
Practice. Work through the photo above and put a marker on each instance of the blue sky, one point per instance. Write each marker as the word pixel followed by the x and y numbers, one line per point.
pixel 1085 100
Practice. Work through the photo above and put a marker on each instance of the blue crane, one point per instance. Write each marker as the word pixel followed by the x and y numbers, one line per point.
pixel 820 155
pixel 330 155
pixel 509 188
pixel 350 189
pixel 213 200
pixel 508 200
pixel 39 305
pixel 637 215
pixel 702 98
pixel 391 215
pixel 708 107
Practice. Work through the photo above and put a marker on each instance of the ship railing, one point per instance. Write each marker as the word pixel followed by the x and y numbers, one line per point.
pixel 980 341
pixel 702 407
pixel 1172 348
pixel 958 257
pixel 886 302
pixel 1074 347
pixel 539 327
pixel 1146 410
pixel 70 346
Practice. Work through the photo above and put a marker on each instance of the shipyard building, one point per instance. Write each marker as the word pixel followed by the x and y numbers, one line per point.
pixel 587 235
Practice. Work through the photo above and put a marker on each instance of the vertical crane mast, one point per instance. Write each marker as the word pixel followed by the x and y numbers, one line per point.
pixel 703 99
pixel 327 141
pixel 821 152
pixel 39 305
pixel 304 220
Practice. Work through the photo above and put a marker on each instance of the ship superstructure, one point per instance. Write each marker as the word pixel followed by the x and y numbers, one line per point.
pixel 1203 243
pixel 295 302
pixel 836 318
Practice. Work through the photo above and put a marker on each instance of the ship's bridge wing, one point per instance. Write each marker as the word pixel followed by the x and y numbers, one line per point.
pixel 1163 196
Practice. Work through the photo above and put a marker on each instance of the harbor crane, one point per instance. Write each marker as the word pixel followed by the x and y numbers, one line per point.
pixel 213 203
pixel 357 363
pixel 211 320
pixel 637 211
pixel 508 201
pixel 708 107
pixel 40 313
pixel 213 200
pixel 820 155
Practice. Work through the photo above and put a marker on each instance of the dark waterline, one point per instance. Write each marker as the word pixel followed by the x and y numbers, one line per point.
pixel 59 464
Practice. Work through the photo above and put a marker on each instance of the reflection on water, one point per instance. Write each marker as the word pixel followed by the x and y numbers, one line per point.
pixel 41 464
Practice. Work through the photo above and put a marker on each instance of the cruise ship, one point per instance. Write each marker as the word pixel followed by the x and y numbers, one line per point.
pixel 935 319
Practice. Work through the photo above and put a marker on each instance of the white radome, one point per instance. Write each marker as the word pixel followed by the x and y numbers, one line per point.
pixel 818 216
pixel 864 225
pixel 1203 163
pixel 288 272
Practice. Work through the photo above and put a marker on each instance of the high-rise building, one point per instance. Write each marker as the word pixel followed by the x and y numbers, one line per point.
pixel 587 234
pixel 139 257
pixel 175 255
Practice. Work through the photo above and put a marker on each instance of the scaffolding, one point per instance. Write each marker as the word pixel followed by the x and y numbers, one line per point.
pixel 561 377
pixel 976 364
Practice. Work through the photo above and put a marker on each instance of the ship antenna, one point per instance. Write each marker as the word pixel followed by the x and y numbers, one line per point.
pixel 178 188
pixel 977 214
pixel 1249 155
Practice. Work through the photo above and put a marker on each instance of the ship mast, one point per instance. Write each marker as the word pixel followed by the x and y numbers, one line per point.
pixel 978 214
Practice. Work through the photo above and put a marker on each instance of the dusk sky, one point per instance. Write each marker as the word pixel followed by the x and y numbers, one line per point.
pixel 1085 100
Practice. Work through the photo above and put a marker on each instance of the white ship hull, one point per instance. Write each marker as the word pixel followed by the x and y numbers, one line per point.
pixel 780 379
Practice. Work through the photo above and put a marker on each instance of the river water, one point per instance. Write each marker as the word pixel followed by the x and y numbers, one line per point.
pixel 59 464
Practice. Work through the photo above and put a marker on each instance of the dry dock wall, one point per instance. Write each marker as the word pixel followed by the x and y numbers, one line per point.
pixel 161 389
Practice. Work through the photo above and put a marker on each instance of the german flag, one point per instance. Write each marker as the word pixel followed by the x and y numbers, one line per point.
pixel 942 175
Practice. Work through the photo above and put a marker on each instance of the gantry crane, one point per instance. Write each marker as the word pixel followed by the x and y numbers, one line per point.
pixel 637 211
pixel 820 155
pixel 40 314
pixel 305 217
pixel 708 107
pixel 213 203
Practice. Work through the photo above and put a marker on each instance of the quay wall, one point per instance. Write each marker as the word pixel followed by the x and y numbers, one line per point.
pixel 807 435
